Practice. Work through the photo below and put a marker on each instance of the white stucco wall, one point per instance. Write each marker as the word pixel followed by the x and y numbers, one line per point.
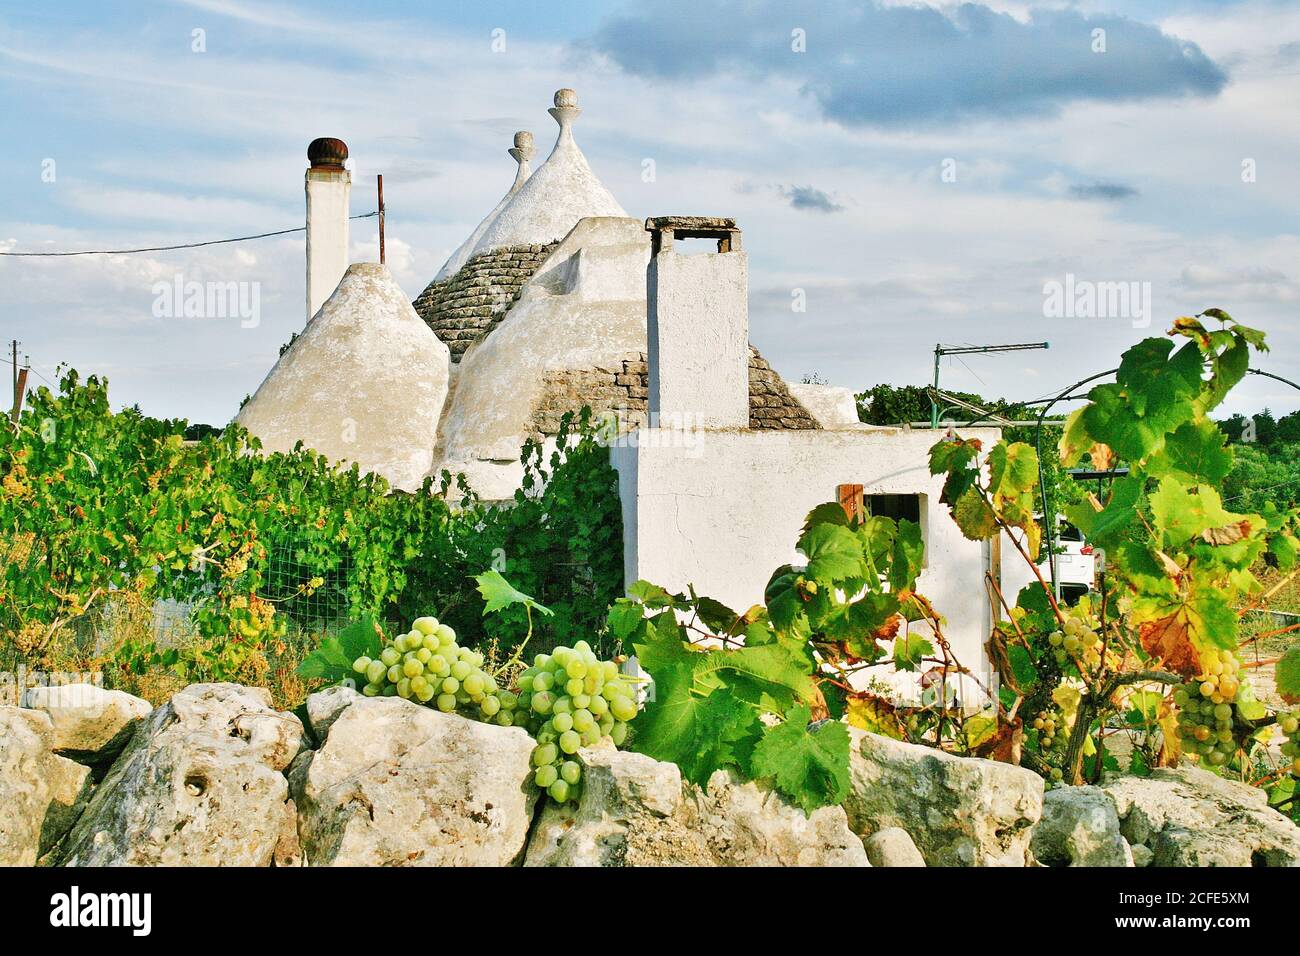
pixel 832 405
pixel 725 512
pixel 328 193
pixel 698 312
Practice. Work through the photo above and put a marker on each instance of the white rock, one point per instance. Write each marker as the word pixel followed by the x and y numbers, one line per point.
pixel 91 724
pixel 1080 828
pixel 324 707
pixel 200 784
pixel 959 811
pixel 636 811
pixel 397 784
pixel 1191 817
pixel 41 794
pixel 892 847
pixel 747 825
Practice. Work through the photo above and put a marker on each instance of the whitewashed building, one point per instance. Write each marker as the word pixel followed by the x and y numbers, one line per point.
pixel 558 300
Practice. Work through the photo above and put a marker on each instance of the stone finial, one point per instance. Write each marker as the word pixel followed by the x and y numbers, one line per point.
pixel 565 112
pixel 522 152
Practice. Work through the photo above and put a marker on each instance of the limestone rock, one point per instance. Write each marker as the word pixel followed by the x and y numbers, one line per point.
pixel 41 794
pixel 91 724
pixel 397 784
pixel 637 811
pixel 1080 828
pixel 959 811
pixel 892 847
pixel 1142 855
pixel 746 825
pixel 324 707
pixel 200 784
pixel 1191 817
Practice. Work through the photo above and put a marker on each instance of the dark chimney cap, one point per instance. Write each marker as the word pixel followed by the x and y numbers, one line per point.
pixel 327 153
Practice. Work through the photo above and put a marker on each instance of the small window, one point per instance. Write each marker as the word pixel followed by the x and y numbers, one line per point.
pixel 1069 532
pixel 896 507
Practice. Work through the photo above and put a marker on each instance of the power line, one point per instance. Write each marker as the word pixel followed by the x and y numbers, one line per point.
pixel 186 245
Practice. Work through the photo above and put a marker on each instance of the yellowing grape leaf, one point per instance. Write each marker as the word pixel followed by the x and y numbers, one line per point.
pixel 1168 640
pixel 1074 438
pixel 1003 744
pixel 973 516
pixel 875 715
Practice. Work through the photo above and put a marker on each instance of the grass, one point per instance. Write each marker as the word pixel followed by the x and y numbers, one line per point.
pixel 99 642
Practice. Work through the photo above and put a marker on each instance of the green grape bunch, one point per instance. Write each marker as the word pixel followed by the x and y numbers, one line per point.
pixel 427 665
pixel 575 701
pixel 1289 723
pixel 1077 641
pixel 566 700
pixel 1208 707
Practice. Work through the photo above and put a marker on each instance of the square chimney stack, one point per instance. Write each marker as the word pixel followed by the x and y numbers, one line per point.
pixel 698 315
pixel 328 187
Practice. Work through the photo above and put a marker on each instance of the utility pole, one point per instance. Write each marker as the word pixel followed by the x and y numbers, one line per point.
pixel 380 179
pixel 941 350
pixel 20 383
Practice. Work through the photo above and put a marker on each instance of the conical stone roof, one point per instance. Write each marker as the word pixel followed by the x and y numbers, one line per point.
pixel 561 192
pixel 365 382
pixel 522 152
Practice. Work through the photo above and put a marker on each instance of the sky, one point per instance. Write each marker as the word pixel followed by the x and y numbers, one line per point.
pixel 905 174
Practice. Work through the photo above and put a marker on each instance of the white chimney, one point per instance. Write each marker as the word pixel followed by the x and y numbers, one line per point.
pixel 698 314
pixel 328 187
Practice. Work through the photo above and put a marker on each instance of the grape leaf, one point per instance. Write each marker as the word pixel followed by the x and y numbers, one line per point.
pixel 830 513
pixel 1183 512
pixel 499 593
pixel 1013 469
pixel 834 553
pixel 689 722
pixel 784 602
pixel 651 595
pixel 909 649
pixel 1108 527
pixel 1176 633
pixel 907 555
pixel 1288 676
pixel 1196 452
pixel 624 618
pixel 333 658
pixel 973 515
pixel 706 706
pixel 809 766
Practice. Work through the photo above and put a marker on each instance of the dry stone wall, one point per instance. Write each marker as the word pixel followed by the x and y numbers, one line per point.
pixel 467 306
pixel 624 391
pixel 218 777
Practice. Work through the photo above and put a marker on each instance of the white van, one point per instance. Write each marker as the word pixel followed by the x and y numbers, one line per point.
pixel 1076 566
